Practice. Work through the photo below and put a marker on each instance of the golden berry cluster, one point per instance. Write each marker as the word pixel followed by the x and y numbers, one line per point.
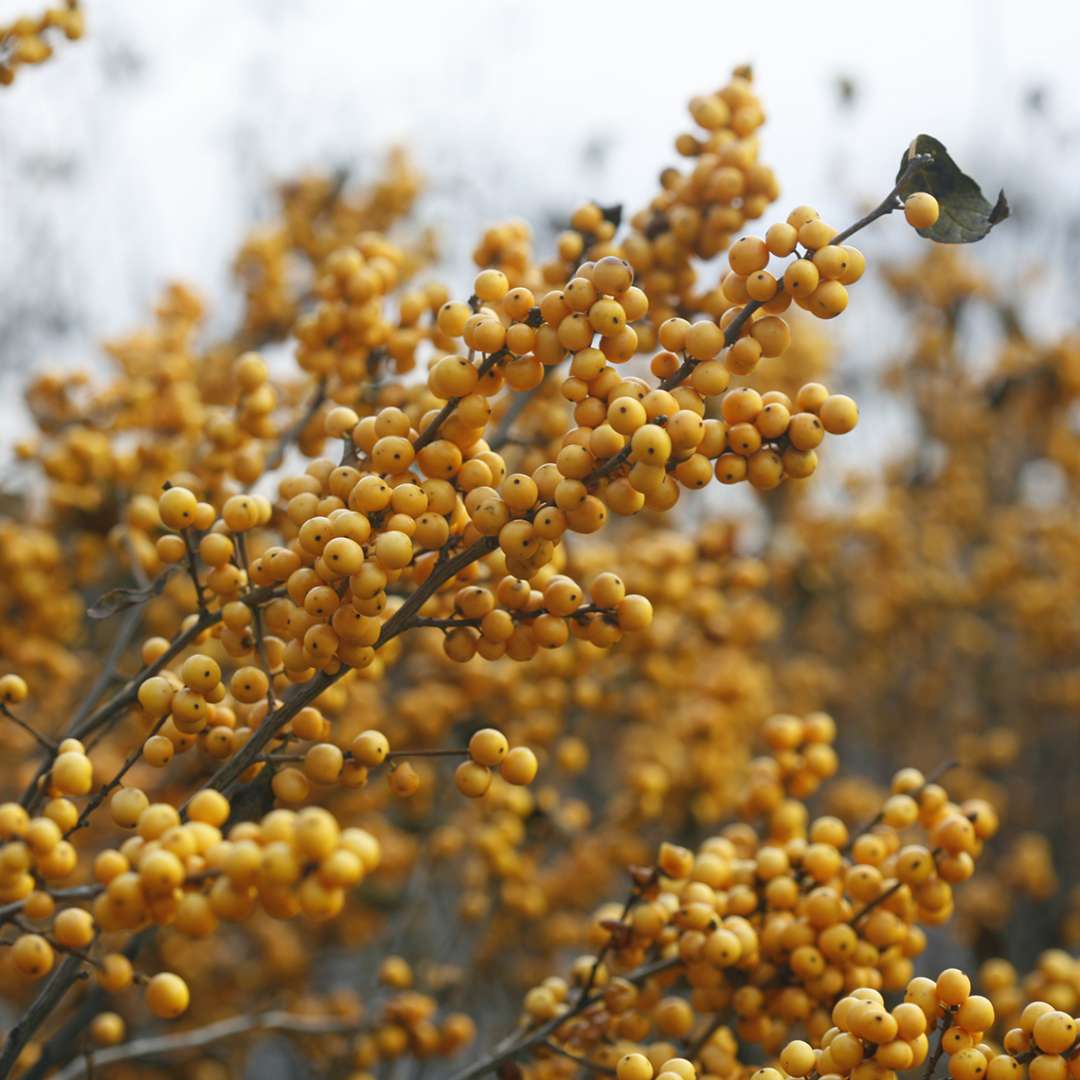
pixel 271 611
pixel 29 39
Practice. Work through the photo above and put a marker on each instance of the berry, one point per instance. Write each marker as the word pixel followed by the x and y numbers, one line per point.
pixel 921 210
pixel 167 995
pixel 488 747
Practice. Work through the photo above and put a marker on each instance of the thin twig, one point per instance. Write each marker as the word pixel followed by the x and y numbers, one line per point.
pixel 430 433
pixel 601 956
pixel 60 1047
pixel 292 432
pixel 105 676
pixel 891 202
pixel 592 1066
pixel 40 1008
pixel 879 817
pixel 257 624
pixel 42 740
pixel 193 570
pixel 531 1038
pixel 501 435
pixel 231 770
pixel 107 789
pixel 731 334
pixel 717 1022
pixel 935 1057
pixel 152 1045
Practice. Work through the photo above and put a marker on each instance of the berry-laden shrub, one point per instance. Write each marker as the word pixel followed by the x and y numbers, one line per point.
pixel 358 624
pixel 948 582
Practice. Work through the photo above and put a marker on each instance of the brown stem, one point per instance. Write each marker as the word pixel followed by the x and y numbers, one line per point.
pixel 257 624
pixel 877 819
pixel 891 202
pixel 42 740
pixel 292 432
pixel 430 433
pixel 83 725
pixel 106 789
pixel 601 956
pixel 501 435
pixel 935 1057
pixel 193 570
pixel 304 695
pixel 152 1045
pixel 700 1042
pixel 537 1035
pixel 40 1008
pixel 592 1066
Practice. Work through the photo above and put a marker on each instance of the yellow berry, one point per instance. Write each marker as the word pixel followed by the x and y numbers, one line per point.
pixel 921 210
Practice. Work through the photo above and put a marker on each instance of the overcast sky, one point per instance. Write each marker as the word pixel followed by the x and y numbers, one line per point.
pixel 145 151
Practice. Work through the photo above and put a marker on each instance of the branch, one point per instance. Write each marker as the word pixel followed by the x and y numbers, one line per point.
pixel 304 695
pixel 292 432
pixel 877 819
pixel 592 1066
pixel 275 1019
pixel 193 570
pixel 717 1022
pixel 257 624
pixel 61 1046
pixel 83 725
pixel 501 435
pixel 891 202
pixel 935 1057
pixel 106 790
pixel 42 740
pixel 430 433
pixel 47 1000
pixel 105 676
pixel 539 1034
pixel 590 982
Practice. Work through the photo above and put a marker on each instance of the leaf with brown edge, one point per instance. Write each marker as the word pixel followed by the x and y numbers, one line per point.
pixel 966 215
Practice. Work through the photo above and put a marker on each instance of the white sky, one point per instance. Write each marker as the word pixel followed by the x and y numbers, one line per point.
pixel 145 151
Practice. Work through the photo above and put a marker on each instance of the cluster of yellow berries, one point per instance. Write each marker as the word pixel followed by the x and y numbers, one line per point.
pixel 318 215
pixel 270 678
pixel 868 1039
pixel 801 756
pixel 775 925
pixel 954 600
pixel 177 870
pixel 25 40
pixel 694 215
pixel 1054 979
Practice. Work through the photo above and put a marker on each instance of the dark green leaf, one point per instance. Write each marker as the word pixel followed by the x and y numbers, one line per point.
pixel 120 599
pixel 966 216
